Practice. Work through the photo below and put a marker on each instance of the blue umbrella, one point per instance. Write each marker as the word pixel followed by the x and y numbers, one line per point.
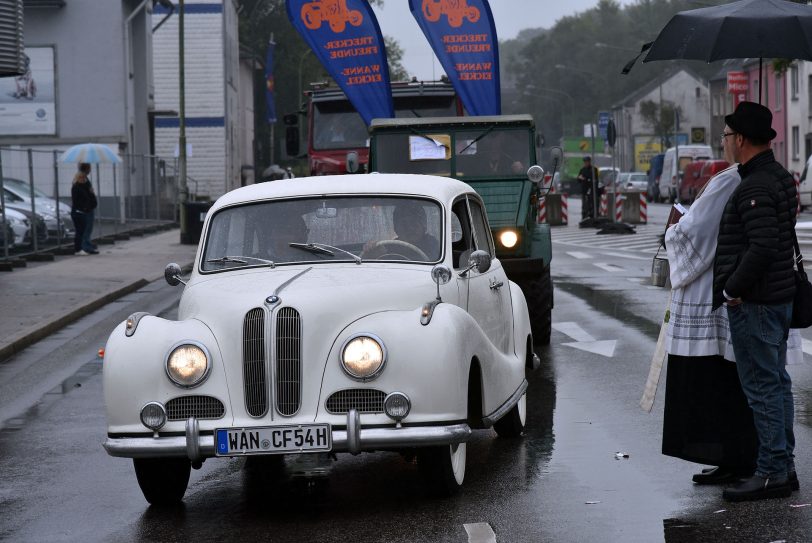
pixel 91 153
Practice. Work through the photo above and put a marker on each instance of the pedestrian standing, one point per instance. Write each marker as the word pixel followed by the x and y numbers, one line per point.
pixel 586 176
pixel 83 206
pixel 754 277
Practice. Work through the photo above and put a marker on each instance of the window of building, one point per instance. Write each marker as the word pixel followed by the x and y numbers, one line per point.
pixel 796 142
pixel 715 106
pixel 698 92
pixel 794 82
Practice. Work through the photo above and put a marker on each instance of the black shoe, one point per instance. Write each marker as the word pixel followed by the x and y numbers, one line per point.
pixel 758 488
pixel 92 252
pixel 793 481
pixel 717 476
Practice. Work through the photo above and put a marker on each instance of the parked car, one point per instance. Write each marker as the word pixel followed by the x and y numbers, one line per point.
pixel 26 222
pixel 607 177
pixel 326 314
pixel 51 227
pixel 654 172
pixel 805 185
pixel 673 167
pixel 18 227
pixel 696 175
pixel 19 192
pixel 634 182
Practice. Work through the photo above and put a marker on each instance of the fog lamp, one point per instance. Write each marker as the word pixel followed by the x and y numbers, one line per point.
pixel 397 406
pixel 153 416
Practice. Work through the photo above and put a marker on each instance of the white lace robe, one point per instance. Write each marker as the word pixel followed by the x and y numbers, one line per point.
pixel 693 329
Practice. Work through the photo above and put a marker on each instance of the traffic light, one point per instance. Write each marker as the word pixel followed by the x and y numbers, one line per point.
pixel 12 56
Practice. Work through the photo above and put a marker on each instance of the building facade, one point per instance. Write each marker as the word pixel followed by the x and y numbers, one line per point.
pixel 637 140
pixel 218 93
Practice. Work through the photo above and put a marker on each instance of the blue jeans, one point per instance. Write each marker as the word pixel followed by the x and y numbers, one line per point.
pixel 759 335
pixel 87 245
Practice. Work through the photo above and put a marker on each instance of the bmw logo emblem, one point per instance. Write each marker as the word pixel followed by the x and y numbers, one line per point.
pixel 41 113
pixel 273 299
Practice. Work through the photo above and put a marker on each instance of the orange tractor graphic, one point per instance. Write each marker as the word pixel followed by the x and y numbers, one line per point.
pixel 334 12
pixel 456 10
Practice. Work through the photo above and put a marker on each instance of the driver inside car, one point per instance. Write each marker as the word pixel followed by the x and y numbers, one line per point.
pixel 411 229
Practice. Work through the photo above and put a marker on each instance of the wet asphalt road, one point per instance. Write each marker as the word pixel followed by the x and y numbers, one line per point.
pixel 560 482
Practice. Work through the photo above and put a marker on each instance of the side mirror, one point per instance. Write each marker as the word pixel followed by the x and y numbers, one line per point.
pixel 353 164
pixel 480 261
pixel 292 141
pixel 172 274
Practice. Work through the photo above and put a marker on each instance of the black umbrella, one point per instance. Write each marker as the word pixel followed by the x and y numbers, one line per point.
pixel 745 29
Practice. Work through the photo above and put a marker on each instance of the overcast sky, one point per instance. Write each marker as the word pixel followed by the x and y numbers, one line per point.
pixel 510 16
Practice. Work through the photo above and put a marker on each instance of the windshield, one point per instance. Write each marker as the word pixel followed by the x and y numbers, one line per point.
pixel 485 152
pixel 22 188
pixel 329 229
pixel 337 125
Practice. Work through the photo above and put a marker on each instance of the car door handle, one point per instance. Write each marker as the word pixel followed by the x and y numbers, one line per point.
pixel 496 285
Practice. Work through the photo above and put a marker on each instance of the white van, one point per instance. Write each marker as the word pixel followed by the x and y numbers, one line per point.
pixel 671 170
pixel 805 187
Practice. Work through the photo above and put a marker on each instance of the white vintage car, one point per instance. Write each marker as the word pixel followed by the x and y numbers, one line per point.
pixel 345 314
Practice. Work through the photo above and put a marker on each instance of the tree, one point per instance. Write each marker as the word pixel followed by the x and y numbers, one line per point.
pixel 394 55
pixel 660 118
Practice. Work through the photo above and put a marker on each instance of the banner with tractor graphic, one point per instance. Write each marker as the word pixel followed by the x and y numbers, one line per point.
pixel 345 36
pixel 463 36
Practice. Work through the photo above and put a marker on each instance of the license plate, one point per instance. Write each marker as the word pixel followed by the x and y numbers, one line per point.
pixel 273 439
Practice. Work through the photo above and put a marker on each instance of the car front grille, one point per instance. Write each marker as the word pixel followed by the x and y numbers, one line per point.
pixel 363 400
pixel 288 361
pixel 253 363
pixel 200 407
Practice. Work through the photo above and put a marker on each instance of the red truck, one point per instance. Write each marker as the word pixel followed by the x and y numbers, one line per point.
pixel 696 175
pixel 335 129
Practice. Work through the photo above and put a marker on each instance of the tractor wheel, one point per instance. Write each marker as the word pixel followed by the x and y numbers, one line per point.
pixel 539 295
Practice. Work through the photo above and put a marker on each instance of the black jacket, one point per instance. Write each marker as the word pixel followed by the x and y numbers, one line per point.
pixel 755 253
pixel 82 197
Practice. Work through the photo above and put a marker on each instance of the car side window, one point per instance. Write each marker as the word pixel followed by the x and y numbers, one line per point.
pixel 461 248
pixel 481 230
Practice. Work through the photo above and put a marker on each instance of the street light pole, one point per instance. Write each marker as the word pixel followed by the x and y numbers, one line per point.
pixel 301 60
pixel 184 188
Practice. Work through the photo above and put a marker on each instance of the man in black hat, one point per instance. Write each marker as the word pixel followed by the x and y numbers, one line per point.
pixel 753 276
pixel 585 176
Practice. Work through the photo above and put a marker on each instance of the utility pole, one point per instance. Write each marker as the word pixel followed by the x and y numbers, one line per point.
pixel 273 125
pixel 184 188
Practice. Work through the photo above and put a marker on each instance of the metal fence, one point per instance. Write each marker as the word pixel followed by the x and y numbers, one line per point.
pixel 35 198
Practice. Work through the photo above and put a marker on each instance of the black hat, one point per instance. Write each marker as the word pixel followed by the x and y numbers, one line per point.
pixel 752 120
pixel 587 158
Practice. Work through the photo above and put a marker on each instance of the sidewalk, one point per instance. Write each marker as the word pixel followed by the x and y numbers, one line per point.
pixel 45 297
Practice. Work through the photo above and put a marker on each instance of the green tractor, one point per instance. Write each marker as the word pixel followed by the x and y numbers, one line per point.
pixel 496 155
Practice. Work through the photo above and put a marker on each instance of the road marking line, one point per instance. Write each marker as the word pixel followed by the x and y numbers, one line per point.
pixel 480 532
pixel 607 267
pixel 573 330
pixel 806 346
pixel 632 257
pixel 579 256
pixel 604 347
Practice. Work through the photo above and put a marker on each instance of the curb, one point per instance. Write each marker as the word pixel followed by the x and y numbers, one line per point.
pixel 58 323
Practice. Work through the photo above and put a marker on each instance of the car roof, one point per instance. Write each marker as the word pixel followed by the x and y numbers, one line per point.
pixel 440 188
pixel 454 122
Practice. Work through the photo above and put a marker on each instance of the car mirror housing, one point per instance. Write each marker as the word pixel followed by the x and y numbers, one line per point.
pixel 172 274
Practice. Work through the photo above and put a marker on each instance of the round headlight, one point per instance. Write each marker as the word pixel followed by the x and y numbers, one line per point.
pixel 153 416
pixel 508 238
pixel 397 406
pixel 363 357
pixel 187 365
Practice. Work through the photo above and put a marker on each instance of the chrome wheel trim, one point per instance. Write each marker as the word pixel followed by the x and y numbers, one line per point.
pixel 522 406
pixel 458 455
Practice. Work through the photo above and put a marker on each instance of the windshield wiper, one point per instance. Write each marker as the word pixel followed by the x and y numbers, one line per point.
pixel 324 249
pixel 311 248
pixel 479 137
pixel 239 260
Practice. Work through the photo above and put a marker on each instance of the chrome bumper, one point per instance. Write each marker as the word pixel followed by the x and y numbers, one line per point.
pixel 353 440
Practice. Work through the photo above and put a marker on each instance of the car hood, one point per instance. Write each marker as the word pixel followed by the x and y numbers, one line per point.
pixel 336 293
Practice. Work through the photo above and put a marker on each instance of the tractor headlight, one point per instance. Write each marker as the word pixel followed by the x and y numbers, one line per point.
pixel 508 238
pixel 188 364
pixel 363 356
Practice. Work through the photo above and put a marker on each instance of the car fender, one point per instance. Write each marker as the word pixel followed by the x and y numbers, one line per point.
pixel 521 321
pixel 134 372
pixel 429 363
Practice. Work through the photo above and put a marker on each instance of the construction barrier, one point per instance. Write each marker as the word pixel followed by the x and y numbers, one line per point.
pixel 604 209
pixel 553 210
pixel 628 207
